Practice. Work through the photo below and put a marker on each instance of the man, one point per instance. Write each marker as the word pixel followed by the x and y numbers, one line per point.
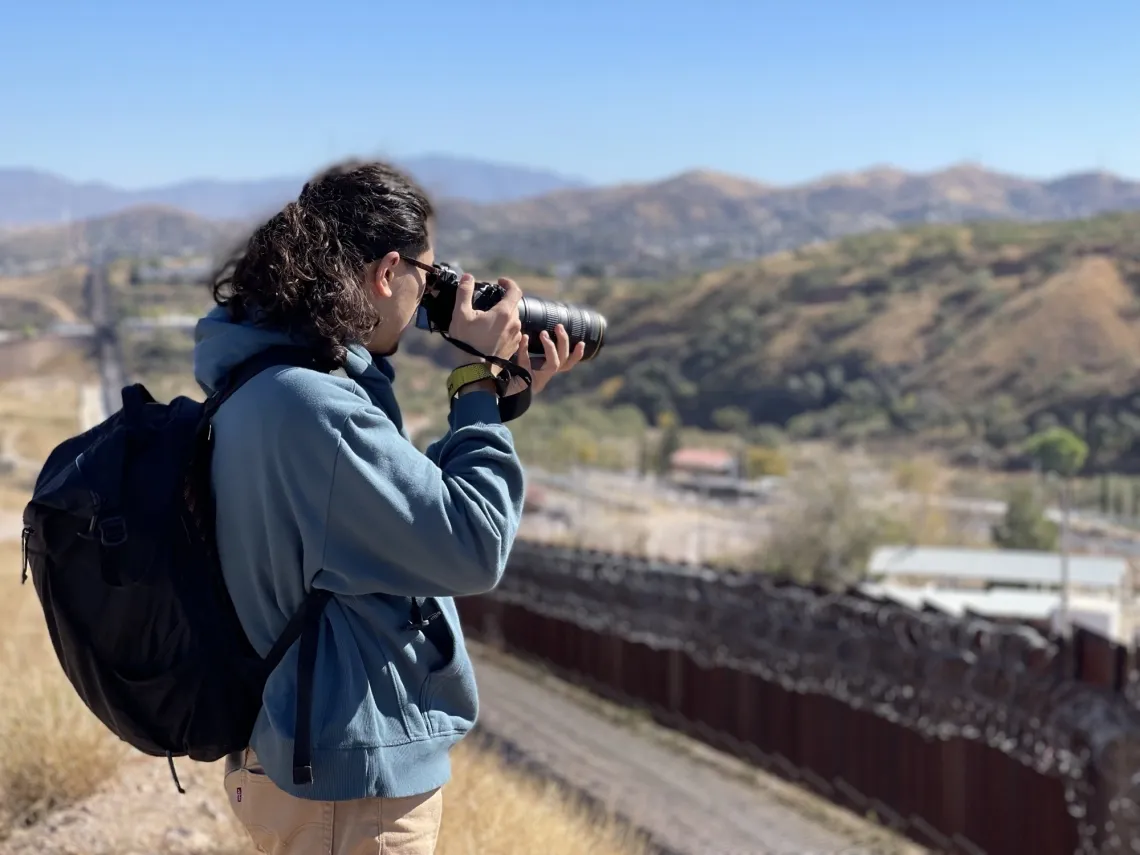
pixel 318 487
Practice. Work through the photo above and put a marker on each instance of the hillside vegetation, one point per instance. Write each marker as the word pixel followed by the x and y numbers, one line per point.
pixel 964 337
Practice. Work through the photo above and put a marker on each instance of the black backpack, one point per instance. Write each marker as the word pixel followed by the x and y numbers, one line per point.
pixel 119 537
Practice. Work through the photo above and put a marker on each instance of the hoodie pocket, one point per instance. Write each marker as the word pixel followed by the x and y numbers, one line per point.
pixel 448 699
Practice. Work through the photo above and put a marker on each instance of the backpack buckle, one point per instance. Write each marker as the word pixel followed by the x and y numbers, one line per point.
pixel 113 531
pixel 419 621
pixel 422 623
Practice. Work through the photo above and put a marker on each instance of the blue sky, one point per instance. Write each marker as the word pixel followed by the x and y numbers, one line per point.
pixel 148 92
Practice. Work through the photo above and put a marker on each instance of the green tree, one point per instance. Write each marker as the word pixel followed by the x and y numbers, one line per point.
pixel 1024 525
pixel 759 460
pixel 670 442
pixel 768 436
pixel 1058 450
pixel 731 419
pixel 645 459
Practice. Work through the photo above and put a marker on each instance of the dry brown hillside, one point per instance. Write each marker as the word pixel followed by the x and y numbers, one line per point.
pixel 954 335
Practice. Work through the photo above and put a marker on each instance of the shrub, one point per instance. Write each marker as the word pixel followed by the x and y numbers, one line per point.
pixel 761 460
pixel 825 532
pixel 1024 525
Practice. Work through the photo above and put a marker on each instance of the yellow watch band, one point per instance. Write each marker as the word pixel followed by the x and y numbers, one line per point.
pixel 465 374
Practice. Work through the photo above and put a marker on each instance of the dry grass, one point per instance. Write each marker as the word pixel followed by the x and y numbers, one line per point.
pixel 167 387
pixel 895 336
pixel 491 807
pixel 39 402
pixel 35 415
pixel 1082 317
pixel 13 495
pixel 53 751
pixel 60 291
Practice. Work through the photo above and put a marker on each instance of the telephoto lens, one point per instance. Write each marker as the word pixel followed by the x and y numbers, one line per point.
pixel 581 324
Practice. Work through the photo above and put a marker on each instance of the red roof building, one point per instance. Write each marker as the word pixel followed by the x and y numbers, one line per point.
pixel 704 461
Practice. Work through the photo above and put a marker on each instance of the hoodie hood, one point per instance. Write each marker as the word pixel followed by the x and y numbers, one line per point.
pixel 221 344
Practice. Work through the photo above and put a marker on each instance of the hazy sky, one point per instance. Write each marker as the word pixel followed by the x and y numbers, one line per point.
pixel 147 92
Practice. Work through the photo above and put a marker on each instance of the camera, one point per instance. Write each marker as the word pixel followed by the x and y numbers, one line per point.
pixel 581 324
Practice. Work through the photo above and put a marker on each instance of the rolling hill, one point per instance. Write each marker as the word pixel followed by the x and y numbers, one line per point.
pixel 965 337
pixel 705 219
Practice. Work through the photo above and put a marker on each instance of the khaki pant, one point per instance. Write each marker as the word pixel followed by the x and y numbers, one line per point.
pixel 281 824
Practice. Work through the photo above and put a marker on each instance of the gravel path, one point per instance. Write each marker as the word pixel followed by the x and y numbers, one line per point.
pixel 685 797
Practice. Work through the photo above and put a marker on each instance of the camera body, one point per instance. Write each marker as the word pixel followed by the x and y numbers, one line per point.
pixel 438 302
pixel 537 314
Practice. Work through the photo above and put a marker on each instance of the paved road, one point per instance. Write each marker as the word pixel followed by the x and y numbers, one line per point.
pixel 686 806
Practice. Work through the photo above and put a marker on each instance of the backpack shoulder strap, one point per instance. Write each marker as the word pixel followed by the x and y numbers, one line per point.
pixel 287 355
pixel 305 624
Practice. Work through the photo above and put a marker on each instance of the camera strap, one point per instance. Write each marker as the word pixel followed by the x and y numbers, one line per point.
pixel 510 406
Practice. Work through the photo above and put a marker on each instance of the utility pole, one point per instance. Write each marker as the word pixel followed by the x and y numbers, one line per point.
pixel 1062 454
pixel 1064 609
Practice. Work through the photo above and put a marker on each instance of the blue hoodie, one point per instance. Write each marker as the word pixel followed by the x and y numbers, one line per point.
pixel 318 485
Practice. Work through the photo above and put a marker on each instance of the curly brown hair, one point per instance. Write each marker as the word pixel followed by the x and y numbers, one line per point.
pixel 302 271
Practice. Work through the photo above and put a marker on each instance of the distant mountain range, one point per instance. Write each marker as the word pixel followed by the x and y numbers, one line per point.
pixel 30 197
pixel 696 220
pixel 706 219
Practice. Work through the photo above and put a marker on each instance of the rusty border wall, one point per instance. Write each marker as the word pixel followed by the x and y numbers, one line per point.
pixel 966 735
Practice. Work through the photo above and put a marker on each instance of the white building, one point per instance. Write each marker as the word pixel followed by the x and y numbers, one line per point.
pixel 1009 584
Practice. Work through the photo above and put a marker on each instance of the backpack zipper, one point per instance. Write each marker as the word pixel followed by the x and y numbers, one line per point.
pixel 25 536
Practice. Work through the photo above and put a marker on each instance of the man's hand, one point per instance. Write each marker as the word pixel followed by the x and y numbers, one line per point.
pixel 495 332
pixel 558 358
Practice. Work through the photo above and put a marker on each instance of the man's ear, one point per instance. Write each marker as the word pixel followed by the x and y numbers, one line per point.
pixel 382 273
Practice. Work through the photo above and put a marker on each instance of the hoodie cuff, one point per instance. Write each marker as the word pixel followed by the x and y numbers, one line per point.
pixel 474 408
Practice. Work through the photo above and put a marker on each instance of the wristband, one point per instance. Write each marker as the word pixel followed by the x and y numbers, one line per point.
pixel 466 374
pixel 510 407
